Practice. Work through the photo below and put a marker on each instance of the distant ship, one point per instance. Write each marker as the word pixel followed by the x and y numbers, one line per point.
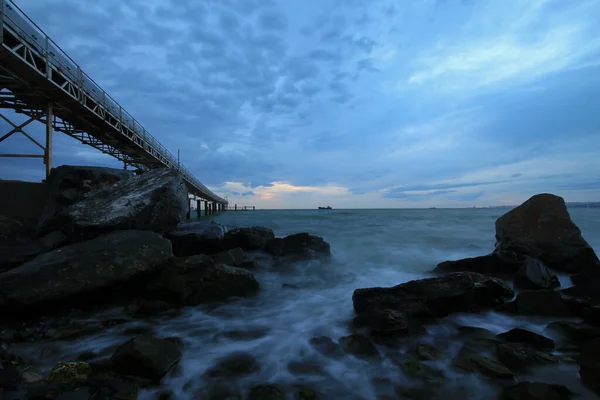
pixel 325 208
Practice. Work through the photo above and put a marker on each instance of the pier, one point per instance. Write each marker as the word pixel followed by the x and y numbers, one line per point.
pixel 39 80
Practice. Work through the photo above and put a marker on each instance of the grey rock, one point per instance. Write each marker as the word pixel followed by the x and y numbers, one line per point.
pixel 299 247
pixel 472 362
pixel 156 201
pixel 83 267
pixel 520 357
pixel 197 238
pixel 541 302
pixel 519 335
pixel 533 274
pixel 359 346
pixel 498 263
pixel 252 238
pixel 233 257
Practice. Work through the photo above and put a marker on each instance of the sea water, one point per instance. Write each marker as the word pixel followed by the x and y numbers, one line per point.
pixel 369 248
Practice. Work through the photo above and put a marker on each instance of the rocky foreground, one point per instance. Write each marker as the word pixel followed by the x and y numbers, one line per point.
pixel 110 239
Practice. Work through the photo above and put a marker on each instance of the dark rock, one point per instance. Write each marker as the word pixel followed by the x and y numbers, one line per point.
pixel 156 201
pixel 533 274
pixel 221 390
pixel 10 378
pixel 414 368
pixel 299 247
pixel 197 279
pixel 535 391
pixel 68 185
pixel 306 393
pixel 197 238
pixel 235 365
pixel 72 331
pixel 304 367
pixel 585 286
pixel 576 332
pixel 499 263
pixel 359 346
pixel 542 228
pixel 16 251
pixel 145 357
pixel 289 286
pixel 247 334
pixel 266 392
pixel 521 357
pixel 425 352
pixel 10 228
pixel 388 323
pixel 541 302
pixel 82 393
pixel 589 364
pixel 144 308
pixel 519 335
pixel 440 296
pixel 233 257
pixel 252 238
pixel 591 315
pixel 326 346
pixel 69 372
pixel 472 362
pixel 83 267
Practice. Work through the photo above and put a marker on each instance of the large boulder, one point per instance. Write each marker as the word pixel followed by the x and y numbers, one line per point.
pixel 542 228
pixel 438 297
pixel 84 267
pixel 589 364
pixel 197 238
pixel 498 263
pixel 17 250
pixel 547 303
pixel 520 357
pixel 520 335
pixel 535 391
pixel 533 274
pixel 198 279
pixel 252 238
pixel 69 184
pixel 156 201
pixel 299 247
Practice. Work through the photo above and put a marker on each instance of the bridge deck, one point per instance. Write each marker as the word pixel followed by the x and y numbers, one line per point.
pixel 35 72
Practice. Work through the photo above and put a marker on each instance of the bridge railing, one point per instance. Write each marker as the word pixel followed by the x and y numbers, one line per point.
pixel 79 85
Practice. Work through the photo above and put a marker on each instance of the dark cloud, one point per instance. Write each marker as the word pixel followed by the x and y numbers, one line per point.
pixel 399 194
pixel 516 175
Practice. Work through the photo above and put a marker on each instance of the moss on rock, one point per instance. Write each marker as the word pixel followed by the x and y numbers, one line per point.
pixel 68 372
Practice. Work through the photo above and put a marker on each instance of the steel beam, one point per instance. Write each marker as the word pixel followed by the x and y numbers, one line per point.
pixel 48 151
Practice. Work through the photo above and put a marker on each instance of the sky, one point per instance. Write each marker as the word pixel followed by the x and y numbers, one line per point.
pixel 348 103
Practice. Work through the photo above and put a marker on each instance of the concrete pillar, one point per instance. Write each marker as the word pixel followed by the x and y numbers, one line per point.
pixel 189 209
pixel 198 211
pixel 253 208
pixel 235 208
pixel 205 208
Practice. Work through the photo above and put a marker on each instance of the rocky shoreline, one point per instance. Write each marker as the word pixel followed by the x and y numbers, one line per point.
pixel 111 239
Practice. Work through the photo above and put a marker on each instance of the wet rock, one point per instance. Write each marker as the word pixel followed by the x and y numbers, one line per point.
pixel 233 257
pixel 589 364
pixel 266 392
pixel 541 302
pixel 535 391
pixel 145 308
pixel 520 357
pixel 299 247
pixel 155 201
pixel 542 228
pixel 440 296
pixel 234 366
pixel 519 335
pixel 146 357
pixel 425 352
pixel 499 263
pixel 472 362
pixel 386 323
pixel 197 279
pixel 252 238
pixel 326 346
pixel 359 346
pixel 305 367
pixel 585 286
pixel 73 331
pixel 70 184
pixel 83 267
pixel 533 274
pixel 222 390
pixel 250 333
pixel 414 368
pixel 306 393
pixel 82 393
pixel 69 372
pixel 10 378
pixel 197 238
pixel 29 377
pixel 576 332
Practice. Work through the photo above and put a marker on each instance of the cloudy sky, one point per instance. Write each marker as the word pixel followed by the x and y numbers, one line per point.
pixel 379 103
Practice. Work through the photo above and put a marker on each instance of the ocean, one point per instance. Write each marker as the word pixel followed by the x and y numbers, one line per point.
pixel 369 248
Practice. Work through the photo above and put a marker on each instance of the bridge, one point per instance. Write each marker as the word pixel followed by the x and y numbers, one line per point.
pixel 38 79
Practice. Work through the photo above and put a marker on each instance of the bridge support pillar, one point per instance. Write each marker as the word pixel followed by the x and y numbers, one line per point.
pixel 48 149
pixel 235 207
pixel 205 208
pixel 198 211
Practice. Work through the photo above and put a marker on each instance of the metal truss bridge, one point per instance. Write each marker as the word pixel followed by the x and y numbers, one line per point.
pixel 41 81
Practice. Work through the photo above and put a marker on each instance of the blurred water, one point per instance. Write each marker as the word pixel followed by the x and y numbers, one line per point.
pixel 370 248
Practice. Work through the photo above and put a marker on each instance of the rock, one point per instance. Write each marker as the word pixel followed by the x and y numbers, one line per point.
pixel 144 308
pixel 472 362
pixel 589 364
pixel 541 302
pixel 16 251
pixel 197 279
pixel 306 393
pixel 521 357
pixel 252 238
pixel 535 391
pixel 414 368
pixel 266 392
pixel 299 247
pixel 387 323
pixel 82 393
pixel 10 378
pixel 519 335
pixel 69 372
pixel 498 263
pixel 233 257
pixel 197 238
pixel 221 390
pixel 68 185
pixel 542 228
pixel 302 367
pixel 440 296
pixel 84 267
pixel 577 332
pixel 326 346
pixel 234 366
pixel 359 346
pixel 533 274
pixel 586 286
pixel 156 201
pixel 31 377
pixel 425 352
pixel 146 357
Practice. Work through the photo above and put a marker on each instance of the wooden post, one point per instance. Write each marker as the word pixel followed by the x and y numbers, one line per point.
pixel 198 211
pixel 48 149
